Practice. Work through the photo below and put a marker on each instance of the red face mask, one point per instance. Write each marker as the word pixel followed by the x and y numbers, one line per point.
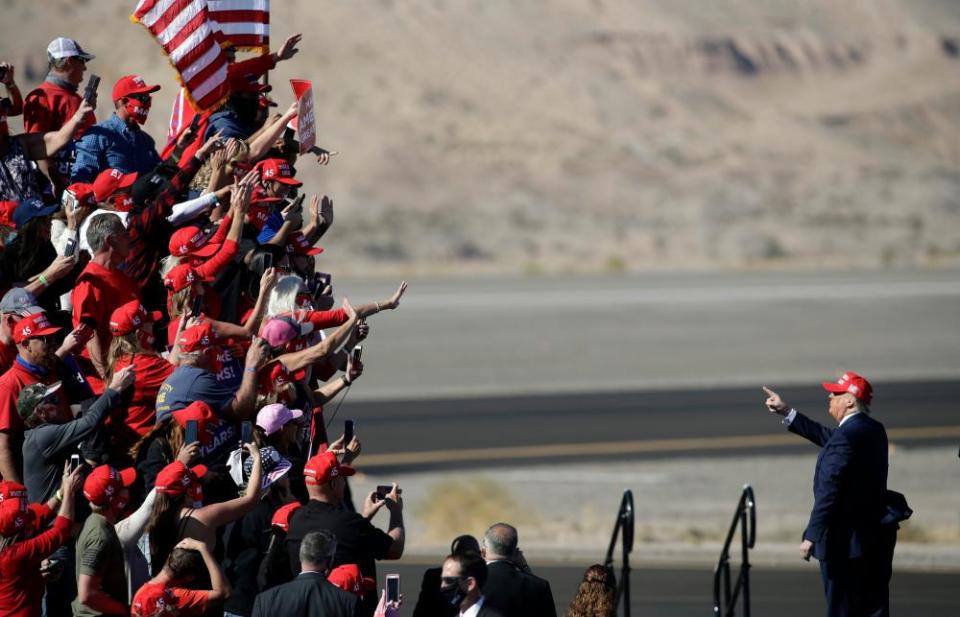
pixel 138 110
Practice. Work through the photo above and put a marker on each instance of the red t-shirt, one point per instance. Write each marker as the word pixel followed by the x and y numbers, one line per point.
pixel 98 292
pixel 21 584
pixel 141 414
pixel 190 603
pixel 8 353
pixel 49 107
pixel 12 382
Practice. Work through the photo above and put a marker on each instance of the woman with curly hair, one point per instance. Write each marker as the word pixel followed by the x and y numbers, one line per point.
pixel 596 596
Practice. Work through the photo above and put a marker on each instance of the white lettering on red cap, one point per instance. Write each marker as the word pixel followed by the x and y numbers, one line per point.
pixel 116 173
pixel 27 331
pixel 139 80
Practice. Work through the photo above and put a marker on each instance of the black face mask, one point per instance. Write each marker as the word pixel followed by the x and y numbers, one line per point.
pixel 453 595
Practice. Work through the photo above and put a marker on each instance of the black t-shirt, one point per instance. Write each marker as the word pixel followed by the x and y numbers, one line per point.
pixel 246 546
pixel 358 541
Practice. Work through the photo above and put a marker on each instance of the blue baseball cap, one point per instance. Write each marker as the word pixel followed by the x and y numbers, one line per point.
pixel 31 208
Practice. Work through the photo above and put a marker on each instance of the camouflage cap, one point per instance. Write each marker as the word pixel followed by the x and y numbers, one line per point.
pixel 33 395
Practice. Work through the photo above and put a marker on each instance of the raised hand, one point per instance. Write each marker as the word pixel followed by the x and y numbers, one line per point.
pixel 289 48
pixel 123 379
pixel 211 144
pixel 394 300
pixel 774 403
pixel 348 308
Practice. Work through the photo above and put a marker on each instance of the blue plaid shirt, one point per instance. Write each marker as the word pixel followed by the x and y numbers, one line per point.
pixel 113 144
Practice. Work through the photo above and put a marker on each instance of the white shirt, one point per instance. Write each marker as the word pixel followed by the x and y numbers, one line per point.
pixel 474 609
pixel 788 420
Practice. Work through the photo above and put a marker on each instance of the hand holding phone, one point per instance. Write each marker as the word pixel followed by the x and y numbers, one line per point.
pixel 246 431
pixel 347 432
pixel 191 433
pixel 74 462
pixel 196 306
pixel 70 248
pixel 393 588
pixel 90 92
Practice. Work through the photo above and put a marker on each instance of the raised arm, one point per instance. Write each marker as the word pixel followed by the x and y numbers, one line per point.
pixel 218 514
pixel 301 359
pixel 262 142
pixel 41 146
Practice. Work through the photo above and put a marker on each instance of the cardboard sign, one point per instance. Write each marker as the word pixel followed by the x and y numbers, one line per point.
pixel 304 123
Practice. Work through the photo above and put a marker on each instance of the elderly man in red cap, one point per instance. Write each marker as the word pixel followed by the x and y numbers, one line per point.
pixel 847 532
pixel 118 142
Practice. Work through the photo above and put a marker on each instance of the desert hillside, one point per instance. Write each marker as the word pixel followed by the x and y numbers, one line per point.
pixel 604 135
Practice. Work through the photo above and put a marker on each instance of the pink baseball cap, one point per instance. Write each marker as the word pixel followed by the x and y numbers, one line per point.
pixel 274 417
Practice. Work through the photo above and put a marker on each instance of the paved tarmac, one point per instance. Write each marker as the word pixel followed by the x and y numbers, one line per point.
pixel 689 592
pixel 486 337
pixel 405 435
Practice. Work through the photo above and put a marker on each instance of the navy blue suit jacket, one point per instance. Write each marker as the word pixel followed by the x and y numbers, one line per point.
pixel 849 487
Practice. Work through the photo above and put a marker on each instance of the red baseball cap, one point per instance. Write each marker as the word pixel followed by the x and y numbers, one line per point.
pixel 202 413
pixel 259 210
pixel 348 578
pixel 273 376
pixel 12 490
pixel 131 316
pixel 7 209
pixel 109 181
pixel 177 479
pixel 181 277
pixel 33 326
pixel 104 483
pixel 279 170
pixel 15 516
pixel 856 385
pixel 197 338
pixel 324 467
pixel 154 600
pixel 85 194
pixel 281 518
pixel 192 241
pixel 131 84
pixel 297 244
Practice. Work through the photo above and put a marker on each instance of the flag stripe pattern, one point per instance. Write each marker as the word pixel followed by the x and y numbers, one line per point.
pixel 245 23
pixel 185 32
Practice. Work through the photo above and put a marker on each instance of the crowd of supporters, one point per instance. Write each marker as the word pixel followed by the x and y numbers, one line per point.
pixel 167 346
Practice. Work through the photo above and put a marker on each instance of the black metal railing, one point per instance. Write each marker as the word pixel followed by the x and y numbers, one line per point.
pixel 746 519
pixel 623 529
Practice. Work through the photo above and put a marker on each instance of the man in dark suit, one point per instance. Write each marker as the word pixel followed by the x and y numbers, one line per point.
pixel 461 579
pixel 511 588
pixel 845 532
pixel 310 594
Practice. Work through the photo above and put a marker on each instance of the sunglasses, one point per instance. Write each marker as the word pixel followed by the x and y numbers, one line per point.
pixel 448 581
pixel 143 98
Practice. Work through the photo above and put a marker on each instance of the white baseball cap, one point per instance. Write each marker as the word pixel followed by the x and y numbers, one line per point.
pixel 62 47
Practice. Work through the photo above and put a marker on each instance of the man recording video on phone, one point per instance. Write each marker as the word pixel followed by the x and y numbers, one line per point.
pixel 51 105
pixel 358 541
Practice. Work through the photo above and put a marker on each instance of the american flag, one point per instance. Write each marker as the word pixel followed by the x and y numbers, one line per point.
pixel 184 31
pixel 245 23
